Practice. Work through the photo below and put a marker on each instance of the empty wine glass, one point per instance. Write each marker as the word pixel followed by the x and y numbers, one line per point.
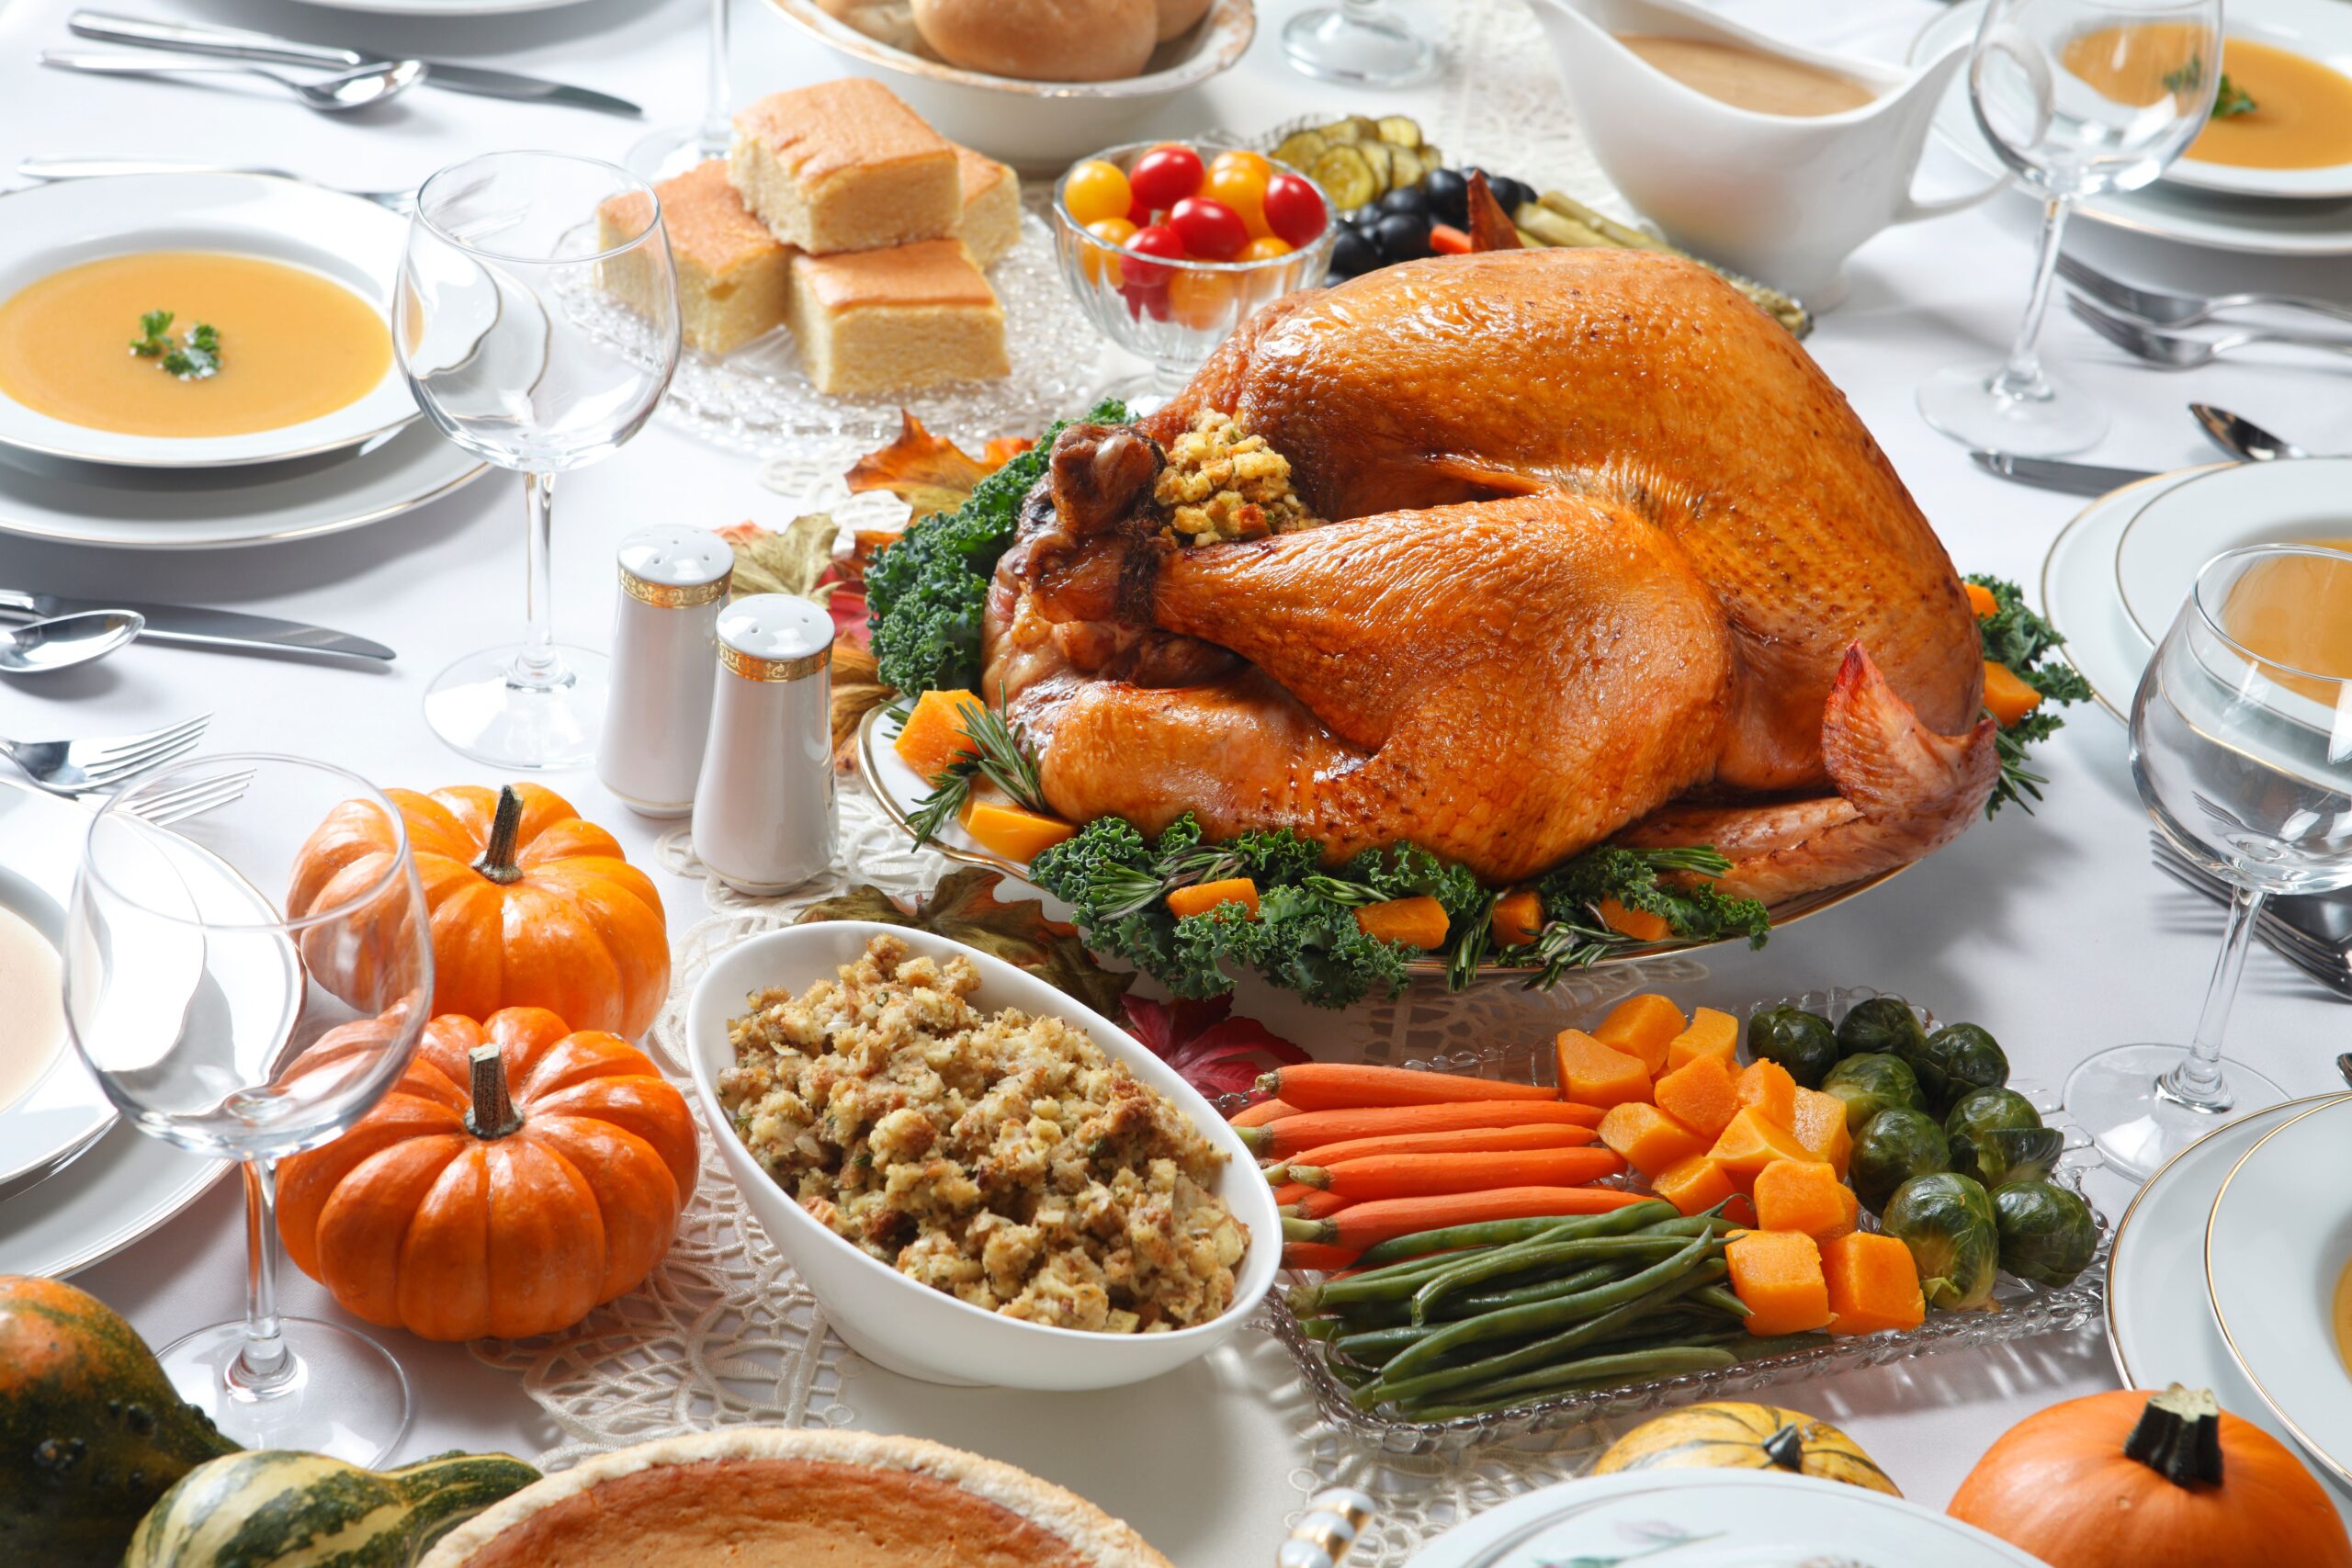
pixel 1359 42
pixel 492 330
pixel 2241 748
pixel 2078 97
pixel 235 1005
pixel 675 149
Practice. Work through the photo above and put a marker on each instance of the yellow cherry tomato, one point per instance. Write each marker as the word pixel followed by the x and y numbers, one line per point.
pixel 1265 247
pixel 1094 190
pixel 1201 300
pixel 1243 159
pixel 1243 190
pixel 1101 262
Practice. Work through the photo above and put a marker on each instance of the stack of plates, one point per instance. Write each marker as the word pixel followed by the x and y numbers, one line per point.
pixel 2115 576
pixel 2226 1272
pixel 2279 213
pixel 76 1183
pixel 371 459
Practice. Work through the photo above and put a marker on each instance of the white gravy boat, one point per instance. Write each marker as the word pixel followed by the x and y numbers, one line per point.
pixel 1783 198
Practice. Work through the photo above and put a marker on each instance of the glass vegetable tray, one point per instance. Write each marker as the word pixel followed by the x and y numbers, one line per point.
pixel 2021 1309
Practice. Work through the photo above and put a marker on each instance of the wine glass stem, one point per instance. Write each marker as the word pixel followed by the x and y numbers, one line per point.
pixel 718 129
pixel 2197 1081
pixel 2020 373
pixel 537 665
pixel 263 1363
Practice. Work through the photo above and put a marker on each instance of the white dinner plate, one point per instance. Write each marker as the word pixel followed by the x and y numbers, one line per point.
pixel 2172 535
pixel 124 1187
pixel 2254 226
pixel 46 228
pixel 2316 29
pixel 441 8
pixel 2079 597
pixel 2160 1326
pixel 142 509
pixel 63 1112
pixel 2279 1238
pixel 1716 1519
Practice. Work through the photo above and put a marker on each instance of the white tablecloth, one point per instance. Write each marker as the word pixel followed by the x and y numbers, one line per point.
pixel 2052 930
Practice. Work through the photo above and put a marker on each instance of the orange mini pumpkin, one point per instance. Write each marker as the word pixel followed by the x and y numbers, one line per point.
pixel 518 1175
pixel 531 905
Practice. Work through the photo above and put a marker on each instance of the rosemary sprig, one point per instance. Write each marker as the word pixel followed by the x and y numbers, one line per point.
pixel 1563 945
pixel 1002 756
pixel 1470 947
pixel 1339 890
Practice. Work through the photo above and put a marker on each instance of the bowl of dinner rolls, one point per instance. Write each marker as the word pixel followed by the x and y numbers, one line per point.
pixel 1033 82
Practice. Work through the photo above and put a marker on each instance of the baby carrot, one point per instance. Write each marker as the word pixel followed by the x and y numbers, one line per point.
pixel 1258 1115
pixel 1405 1176
pixel 1463 1140
pixel 1310 1129
pixel 1360 1225
pixel 1317 1205
pixel 1331 1086
pixel 1321 1259
pixel 1290 1192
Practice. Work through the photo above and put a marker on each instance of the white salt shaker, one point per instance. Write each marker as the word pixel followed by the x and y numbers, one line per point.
pixel 657 713
pixel 764 808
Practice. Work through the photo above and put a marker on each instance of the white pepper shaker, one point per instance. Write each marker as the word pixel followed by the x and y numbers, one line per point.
pixel 657 713
pixel 764 808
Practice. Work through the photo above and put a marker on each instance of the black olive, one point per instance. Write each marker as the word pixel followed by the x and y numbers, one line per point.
pixel 1449 194
pixel 1403 236
pixel 1407 199
pixel 1513 194
pixel 1352 253
pixel 1363 216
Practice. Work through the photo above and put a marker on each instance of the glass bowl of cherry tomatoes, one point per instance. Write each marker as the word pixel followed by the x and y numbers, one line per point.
pixel 1170 245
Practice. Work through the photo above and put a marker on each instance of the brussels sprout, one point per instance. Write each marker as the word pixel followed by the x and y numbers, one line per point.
pixel 1947 1223
pixel 1799 1041
pixel 1955 1059
pixel 2048 1234
pixel 1881 1023
pixel 1870 1083
pixel 1896 1145
pixel 1996 1135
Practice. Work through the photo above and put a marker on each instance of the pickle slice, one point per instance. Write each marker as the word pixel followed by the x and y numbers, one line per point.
pixel 1400 131
pixel 1381 158
pixel 1359 128
pixel 1298 150
pixel 1405 167
pixel 1345 178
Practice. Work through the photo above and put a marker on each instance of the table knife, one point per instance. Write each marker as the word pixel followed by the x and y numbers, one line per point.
pixel 2074 478
pixel 240 44
pixel 198 628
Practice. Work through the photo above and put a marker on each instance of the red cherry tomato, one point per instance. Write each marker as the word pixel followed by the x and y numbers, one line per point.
pixel 1294 208
pixel 1144 301
pixel 1211 230
pixel 1165 175
pixel 1139 214
pixel 1157 240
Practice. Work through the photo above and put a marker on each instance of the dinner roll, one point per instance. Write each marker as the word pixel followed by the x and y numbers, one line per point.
pixel 1176 15
pixel 1043 40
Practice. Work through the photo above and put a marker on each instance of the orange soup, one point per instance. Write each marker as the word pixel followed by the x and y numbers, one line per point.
pixel 2139 63
pixel 2301 117
pixel 2294 611
pixel 294 344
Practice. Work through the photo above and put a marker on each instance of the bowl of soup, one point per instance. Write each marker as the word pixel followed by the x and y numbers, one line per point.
pixel 197 321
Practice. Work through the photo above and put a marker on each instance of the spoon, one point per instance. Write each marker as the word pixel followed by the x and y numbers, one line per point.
pixel 36 647
pixel 2240 437
pixel 354 88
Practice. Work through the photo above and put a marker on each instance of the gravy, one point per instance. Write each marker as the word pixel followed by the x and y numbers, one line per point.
pixel 1750 78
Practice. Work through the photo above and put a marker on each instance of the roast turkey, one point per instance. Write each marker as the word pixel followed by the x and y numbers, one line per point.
pixel 1604 555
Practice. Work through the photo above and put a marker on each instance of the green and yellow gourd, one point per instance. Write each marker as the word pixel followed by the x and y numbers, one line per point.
pixel 91 1432
pixel 1731 1435
pixel 280 1509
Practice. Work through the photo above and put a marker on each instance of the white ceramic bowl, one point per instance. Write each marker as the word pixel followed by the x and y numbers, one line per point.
pixel 908 1326
pixel 1033 126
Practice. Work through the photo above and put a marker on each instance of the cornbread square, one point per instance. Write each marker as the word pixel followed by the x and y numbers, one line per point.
pixel 991 206
pixel 886 321
pixel 845 166
pixel 734 275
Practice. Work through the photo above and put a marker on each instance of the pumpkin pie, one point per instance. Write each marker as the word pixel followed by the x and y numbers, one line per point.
pixel 890 319
pixel 845 166
pixel 991 206
pixel 769 1498
pixel 733 275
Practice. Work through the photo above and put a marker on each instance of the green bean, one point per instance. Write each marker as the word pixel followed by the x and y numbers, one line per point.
pixel 1540 1351
pixel 1319 1327
pixel 1673 1360
pixel 1723 1300
pixel 1497 1233
pixel 1542 1290
pixel 1504 1260
pixel 1374 1347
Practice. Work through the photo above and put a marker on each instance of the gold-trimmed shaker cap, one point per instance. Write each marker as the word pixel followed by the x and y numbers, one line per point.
pixel 774 637
pixel 675 568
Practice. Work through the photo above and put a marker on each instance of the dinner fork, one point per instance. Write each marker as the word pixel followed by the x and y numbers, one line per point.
pixel 168 806
pixel 2174 351
pixel 400 201
pixel 75 768
pixel 2329 966
pixel 2160 309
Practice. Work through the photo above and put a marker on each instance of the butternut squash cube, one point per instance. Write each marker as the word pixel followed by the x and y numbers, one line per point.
pixel 1651 1140
pixel 1591 1074
pixel 1804 1195
pixel 1778 1275
pixel 1701 1094
pixel 2008 697
pixel 1695 1186
pixel 999 826
pixel 1820 1125
pixel 1201 896
pixel 1873 1284
pixel 934 734
pixel 1710 1034
pixel 1518 919
pixel 1767 1089
pixel 1641 1026
pixel 1639 924
pixel 1749 1144
pixel 1417 922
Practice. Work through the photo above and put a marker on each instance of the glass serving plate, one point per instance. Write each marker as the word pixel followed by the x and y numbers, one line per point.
pixel 2021 1309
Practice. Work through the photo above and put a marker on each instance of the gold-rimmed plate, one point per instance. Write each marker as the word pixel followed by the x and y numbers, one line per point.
pixel 2276 1245
pixel 2079 597
pixel 900 794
